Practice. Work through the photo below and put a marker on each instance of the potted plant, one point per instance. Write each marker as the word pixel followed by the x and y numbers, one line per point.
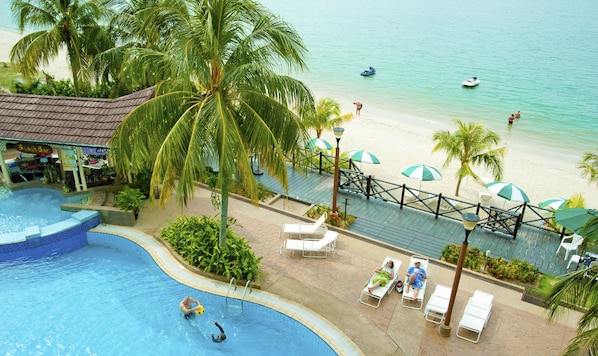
pixel 130 200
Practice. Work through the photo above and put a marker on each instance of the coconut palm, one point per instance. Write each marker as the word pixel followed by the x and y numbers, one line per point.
pixel 471 144
pixel 69 24
pixel 324 116
pixel 579 288
pixel 589 167
pixel 222 102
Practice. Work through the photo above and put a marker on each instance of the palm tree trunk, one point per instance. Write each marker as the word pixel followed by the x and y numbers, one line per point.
pixel 223 217
pixel 458 186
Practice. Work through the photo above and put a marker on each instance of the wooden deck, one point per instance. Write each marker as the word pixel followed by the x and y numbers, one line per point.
pixel 418 231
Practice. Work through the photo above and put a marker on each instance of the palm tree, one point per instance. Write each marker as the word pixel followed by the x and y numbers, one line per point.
pixel 72 24
pixel 222 101
pixel 325 116
pixel 471 144
pixel 579 288
pixel 589 167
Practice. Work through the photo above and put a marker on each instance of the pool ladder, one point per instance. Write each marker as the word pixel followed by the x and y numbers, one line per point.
pixel 232 286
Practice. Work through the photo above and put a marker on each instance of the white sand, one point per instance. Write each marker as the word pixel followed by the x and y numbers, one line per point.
pixel 399 140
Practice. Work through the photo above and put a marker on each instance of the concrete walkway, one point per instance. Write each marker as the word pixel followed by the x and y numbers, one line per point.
pixel 331 288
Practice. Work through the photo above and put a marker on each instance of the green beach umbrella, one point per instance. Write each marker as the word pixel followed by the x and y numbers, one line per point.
pixel 363 156
pixel 552 203
pixel 421 172
pixel 573 219
pixel 508 191
pixel 318 143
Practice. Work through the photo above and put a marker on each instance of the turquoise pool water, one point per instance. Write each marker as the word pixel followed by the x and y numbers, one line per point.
pixel 33 207
pixel 110 298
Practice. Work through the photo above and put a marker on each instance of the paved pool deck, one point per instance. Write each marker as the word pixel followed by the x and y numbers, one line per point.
pixel 331 287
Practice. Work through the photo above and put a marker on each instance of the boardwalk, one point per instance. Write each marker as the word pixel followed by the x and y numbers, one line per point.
pixel 420 232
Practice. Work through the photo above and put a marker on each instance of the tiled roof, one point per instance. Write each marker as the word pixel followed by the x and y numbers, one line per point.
pixel 65 120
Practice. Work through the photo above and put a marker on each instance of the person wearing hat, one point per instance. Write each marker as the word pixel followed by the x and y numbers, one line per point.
pixel 416 275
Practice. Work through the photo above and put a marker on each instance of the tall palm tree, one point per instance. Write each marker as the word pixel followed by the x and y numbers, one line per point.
pixel 223 100
pixel 72 24
pixel 579 288
pixel 471 144
pixel 589 167
pixel 325 116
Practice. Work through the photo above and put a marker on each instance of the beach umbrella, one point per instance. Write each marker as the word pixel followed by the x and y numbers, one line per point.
pixel 573 219
pixel 552 203
pixel 317 142
pixel 508 191
pixel 421 172
pixel 363 156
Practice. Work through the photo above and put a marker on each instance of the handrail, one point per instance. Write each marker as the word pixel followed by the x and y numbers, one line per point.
pixel 247 285
pixel 230 284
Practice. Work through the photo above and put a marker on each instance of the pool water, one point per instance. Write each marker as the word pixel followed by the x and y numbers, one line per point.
pixel 33 207
pixel 104 300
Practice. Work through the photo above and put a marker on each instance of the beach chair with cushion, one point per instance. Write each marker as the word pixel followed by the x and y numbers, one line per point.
pixel 302 230
pixel 408 299
pixel 312 247
pixel 570 243
pixel 374 298
pixel 475 316
pixel 437 305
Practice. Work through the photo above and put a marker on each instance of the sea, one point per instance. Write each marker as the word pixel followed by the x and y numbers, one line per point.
pixel 538 57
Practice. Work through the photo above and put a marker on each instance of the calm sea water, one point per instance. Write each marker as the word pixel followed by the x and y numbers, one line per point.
pixel 535 56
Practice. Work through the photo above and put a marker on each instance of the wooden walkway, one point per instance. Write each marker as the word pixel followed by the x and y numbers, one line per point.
pixel 418 231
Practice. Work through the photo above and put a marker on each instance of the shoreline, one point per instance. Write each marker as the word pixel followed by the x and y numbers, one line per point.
pixel 400 139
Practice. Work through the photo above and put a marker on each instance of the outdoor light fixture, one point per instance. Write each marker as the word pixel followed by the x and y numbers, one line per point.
pixel 338 133
pixel 470 220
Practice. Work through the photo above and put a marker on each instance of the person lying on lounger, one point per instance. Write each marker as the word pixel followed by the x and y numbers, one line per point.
pixel 385 274
pixel 416 275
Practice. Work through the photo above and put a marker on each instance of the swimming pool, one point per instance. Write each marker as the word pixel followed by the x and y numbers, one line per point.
pixel 29 207
pixel 111 298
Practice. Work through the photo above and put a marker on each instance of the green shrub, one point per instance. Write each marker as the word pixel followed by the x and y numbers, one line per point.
pixel 514 269
pixel 338 219
pixel 195 239
pixel 474 259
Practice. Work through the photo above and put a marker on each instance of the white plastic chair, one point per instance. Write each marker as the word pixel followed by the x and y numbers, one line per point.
pixel 311 247
pixel 437 305
pixel 317 228
pixel 374 298
pixel 475 317
pixel 575 241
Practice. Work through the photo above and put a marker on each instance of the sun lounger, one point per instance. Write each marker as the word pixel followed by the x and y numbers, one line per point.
pixel 374 298
pixel 311 247
pixel 408 299
pixel 438 303
pixel 301 230
pixel 475 316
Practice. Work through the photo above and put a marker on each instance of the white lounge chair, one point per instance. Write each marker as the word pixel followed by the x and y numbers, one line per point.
pixel 475 316
pixel 575 241
pixel 438 303
pixel 374 298
pixel 317 228
pixel 311 247
pixel 408 299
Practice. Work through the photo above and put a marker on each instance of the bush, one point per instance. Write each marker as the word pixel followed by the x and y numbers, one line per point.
pixel 195 239
pixel 338 219
pixel 514 269
pixel 474 259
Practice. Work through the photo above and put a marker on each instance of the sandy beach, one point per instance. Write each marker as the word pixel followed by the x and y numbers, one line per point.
pixel 399 140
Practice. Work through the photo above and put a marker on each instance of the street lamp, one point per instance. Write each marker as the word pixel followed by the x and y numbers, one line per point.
pixel 338 133
pixel 470 220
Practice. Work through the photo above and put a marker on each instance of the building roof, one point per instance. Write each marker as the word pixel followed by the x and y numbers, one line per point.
pixel 65 120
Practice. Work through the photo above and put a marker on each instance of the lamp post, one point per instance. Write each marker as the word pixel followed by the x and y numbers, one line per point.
pixel 470 220
pixel 338 133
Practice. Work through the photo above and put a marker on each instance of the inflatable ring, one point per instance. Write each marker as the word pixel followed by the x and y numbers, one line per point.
pixel 199 310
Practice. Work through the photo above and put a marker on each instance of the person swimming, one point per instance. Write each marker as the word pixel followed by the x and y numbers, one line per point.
pixel 220 337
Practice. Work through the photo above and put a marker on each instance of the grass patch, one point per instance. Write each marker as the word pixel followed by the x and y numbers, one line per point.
pixel 8 76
